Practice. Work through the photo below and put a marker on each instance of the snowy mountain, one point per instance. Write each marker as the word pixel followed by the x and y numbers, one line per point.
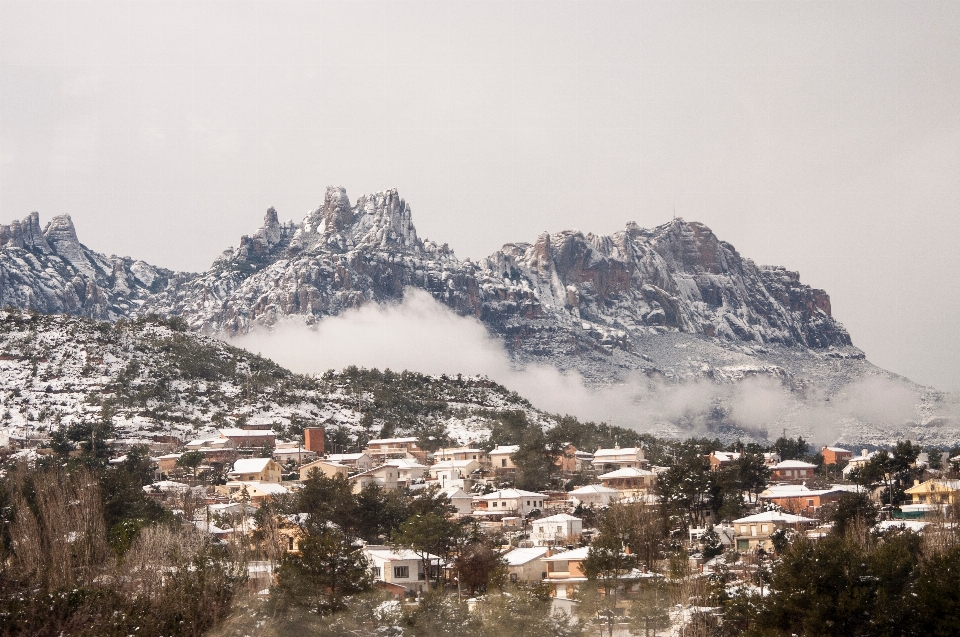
pixel 673 303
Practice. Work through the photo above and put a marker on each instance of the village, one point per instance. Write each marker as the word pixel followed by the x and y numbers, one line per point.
pixel 543 539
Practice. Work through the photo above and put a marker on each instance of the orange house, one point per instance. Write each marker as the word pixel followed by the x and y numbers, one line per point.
pixel 833 455
pixel 792 470
pixel 798 499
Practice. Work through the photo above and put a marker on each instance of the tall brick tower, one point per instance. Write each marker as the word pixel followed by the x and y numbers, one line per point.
pixel 313 440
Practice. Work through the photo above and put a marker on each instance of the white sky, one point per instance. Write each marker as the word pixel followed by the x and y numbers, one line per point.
pixel 824 137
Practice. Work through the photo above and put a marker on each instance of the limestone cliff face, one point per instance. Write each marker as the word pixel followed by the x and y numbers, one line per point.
pixel 567 297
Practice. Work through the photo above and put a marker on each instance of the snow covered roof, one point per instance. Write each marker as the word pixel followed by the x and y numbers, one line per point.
pixel 500 449
pixel 594 488
pixel 510 494
pixel 794 464
pixel 391 441
pixel 574 555
pixel 167 485
pixel 233 432
pixel 404 463
pixel 599 453
pixel 774 516
pixel 560 517
pixel 628 472
pixel 388 554
pixel 519 557
pixel 345 457
pixel 452 464
pixel 454 492
pixel 726 456
pixel 795 493
pixel 838 449
pixel 250 465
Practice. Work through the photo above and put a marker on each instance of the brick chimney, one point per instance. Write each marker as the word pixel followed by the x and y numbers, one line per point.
pixel 313 440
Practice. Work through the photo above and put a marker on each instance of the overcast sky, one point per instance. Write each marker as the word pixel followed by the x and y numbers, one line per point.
pixel 824 137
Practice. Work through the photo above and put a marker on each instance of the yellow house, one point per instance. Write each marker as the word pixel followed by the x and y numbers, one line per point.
pixel 327 468
pixel 256 470
pixel 936 491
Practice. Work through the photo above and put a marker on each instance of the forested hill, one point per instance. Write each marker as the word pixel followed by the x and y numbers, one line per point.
pixel 152 376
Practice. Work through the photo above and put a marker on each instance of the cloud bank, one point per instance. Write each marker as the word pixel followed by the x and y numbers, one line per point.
pixel 422 335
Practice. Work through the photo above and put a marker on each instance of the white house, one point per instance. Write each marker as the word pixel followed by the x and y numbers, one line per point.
pixel 295 452
pixel 509 502
pixel 385 476
pixel 356 461
pixel 612 459
pixel 453 472
pixel 556 529
pixel 408 470
pixel 526 565
pixel 858 461
pixel 460 499
pixel 402 567
pixel 595 495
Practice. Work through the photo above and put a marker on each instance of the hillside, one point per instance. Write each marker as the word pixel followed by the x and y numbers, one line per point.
pixel 154 377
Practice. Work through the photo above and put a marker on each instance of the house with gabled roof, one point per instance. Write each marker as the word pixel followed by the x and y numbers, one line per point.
pixel 508 502
pixel 256 470
pixel 558 529
pixel 593 495
pixel 754 531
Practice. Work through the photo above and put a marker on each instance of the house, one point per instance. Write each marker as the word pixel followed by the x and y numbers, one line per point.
pixel 584 460
pixel 501 460
pixel 249 438
pixel 526 565
pixel 356 461
pixel 384 476
pixel 835 455
pixel 566 462
pixel 256 470
pixel 629 480
pixel 453 472
pixel 564 573
pixel 168 462
pixel 799 499
pixel 509 502
pixel 855 462
pixel 792 470
pixel 557 529
pixel 607 460
pixel 286 452
pixel 937 492
pixel 407 470
pixel 384 448
pixel 593 495
pixel 460 499
pixel 216 451
pixel 754 531
pixel 722 459
pixel 327 468
pixel 400 567
pixel 463 453
pixel 254 492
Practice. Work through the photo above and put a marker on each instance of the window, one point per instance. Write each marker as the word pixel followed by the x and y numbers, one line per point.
pixel 753 530
pixel 559 529
pixel 743 545
pixel 401 572
pixel 494 505
pixel 809 502
pixel 528 502
pixel 376 571
pixel 513 577
pixel 763 528
pixel 503 462
pixel 743 530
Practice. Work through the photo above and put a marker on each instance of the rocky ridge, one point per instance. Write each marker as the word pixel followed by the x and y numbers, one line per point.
pixel 673 303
